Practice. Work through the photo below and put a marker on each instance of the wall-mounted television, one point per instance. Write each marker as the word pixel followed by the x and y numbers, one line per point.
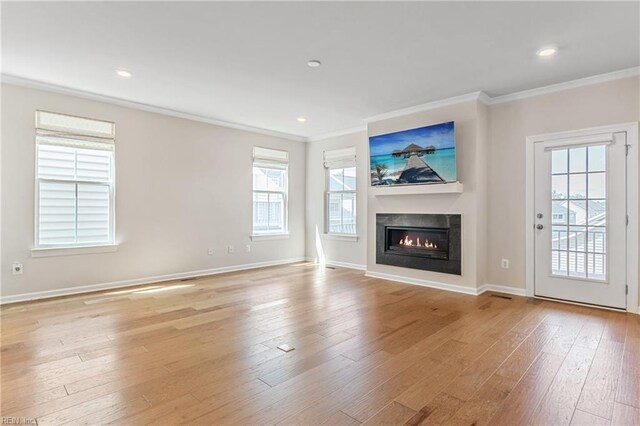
pixel 426 155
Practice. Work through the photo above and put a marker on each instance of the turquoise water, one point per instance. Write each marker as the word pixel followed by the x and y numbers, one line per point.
pixel 443 161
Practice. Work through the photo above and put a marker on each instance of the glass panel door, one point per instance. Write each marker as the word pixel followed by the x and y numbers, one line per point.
pixel 579 218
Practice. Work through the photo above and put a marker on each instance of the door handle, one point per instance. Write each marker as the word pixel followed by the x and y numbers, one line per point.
pixel 539 226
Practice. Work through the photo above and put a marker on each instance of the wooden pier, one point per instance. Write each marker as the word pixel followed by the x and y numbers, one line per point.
pixel 416 170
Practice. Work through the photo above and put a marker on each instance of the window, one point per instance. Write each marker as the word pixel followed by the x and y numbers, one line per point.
pixel 341 191
pixel 341 201
pixel 270 191
pixel 74 181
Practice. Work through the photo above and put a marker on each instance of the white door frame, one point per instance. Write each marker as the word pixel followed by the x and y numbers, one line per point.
pixel 633 207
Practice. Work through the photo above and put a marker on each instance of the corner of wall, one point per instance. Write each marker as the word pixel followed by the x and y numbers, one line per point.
pixel 340 252
pixel 482 144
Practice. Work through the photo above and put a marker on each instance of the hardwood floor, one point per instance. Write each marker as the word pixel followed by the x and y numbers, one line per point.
pixel 366 351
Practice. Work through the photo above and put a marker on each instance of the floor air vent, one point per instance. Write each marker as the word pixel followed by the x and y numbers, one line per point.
pixel 501 296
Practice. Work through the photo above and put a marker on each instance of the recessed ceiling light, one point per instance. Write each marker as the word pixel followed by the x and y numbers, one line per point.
pixel 547 51
pixel 124 73
pixel 302 119
pixel 314 63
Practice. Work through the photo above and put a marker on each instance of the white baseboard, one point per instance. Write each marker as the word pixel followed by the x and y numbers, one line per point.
pixel 449 287
pixel 424 283
pixel 140 281
pixel 502 289
pixel 346 265
pixel 339 264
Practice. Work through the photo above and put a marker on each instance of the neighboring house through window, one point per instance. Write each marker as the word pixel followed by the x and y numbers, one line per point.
pixel 75 183
pixel 341 191
pixel 270 191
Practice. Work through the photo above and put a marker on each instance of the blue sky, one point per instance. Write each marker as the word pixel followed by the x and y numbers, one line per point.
pixel 438 135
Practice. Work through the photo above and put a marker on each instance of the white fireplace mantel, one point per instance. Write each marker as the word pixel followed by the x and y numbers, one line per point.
pixel 440 188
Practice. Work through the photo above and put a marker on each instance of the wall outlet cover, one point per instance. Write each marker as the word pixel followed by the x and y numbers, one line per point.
pixel 17 268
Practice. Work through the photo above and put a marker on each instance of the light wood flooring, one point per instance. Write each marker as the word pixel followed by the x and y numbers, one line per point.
pixel 366 351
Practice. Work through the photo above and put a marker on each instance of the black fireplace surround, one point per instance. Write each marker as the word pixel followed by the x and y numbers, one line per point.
pixel 432 242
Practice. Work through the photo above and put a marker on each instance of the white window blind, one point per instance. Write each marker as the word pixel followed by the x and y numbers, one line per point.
pixel 270 156
pixel 341 191
pixel 69 124
pixel 270 188
pixel 340 158
pixel 75 182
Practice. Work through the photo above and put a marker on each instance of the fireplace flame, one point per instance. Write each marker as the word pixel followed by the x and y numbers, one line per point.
pixel 409 243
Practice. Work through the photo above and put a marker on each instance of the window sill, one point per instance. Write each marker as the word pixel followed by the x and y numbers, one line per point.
pixel 341 237
pixel 68 251
pixel 266 237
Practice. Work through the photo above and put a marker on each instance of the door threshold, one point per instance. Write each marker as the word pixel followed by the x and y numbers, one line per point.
pixel 587 305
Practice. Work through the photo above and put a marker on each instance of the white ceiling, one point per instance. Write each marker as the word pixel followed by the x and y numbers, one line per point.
pixel 246 62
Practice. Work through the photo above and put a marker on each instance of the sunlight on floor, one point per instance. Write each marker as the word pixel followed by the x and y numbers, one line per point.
pixel 152 289
pixel 320 259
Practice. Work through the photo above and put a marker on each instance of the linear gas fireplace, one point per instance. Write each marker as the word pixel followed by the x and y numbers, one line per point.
pixel 421 241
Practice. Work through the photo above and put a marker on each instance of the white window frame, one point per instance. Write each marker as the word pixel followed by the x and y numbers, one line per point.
pixel 340 158
pixel 44 250
pixel 284 193
pixel 353 234
pixel 270 159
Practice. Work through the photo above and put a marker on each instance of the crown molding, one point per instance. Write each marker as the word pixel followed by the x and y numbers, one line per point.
pixel 488 100
pixel 337 133
pixel 32 84
pixel 587 81
pixel 484 98
pixel 475 96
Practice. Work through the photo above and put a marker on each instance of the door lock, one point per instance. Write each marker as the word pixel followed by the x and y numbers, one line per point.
pixel 539 215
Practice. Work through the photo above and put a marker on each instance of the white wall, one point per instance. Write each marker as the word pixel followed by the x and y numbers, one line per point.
pixel 345 252
pixel 491 164
pixel 181 187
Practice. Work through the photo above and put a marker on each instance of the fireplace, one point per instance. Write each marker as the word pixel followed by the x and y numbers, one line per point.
pixel 429 242
pixel 421 242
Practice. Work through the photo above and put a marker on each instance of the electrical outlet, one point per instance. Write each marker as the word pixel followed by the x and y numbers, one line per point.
pixel 210 251
pixel 248 248
pixel 505 263
pixel 17 268
pixel 231 249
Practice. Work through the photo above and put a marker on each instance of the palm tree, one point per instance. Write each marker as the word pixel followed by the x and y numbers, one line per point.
pixel 381 171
